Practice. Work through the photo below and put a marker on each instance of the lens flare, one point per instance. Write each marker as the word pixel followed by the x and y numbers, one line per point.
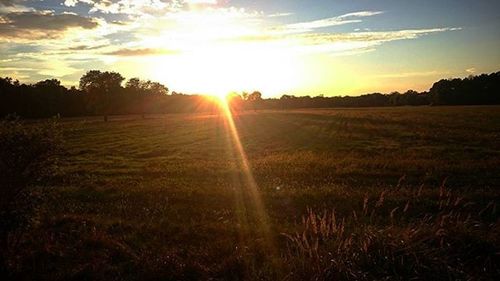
pixel 247 189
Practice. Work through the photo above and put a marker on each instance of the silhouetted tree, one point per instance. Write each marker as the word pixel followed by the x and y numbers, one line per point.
pixel 50 94
pixel 147 94
pixel 102 93
pixel 100 86
pixel 255 99
pixel 483 89
pixel 286 101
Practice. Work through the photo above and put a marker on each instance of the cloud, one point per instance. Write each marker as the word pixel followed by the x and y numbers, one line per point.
pixel 86 47
pixel 279 15
pixel 145 7
pixel 335 43
pixel 41 24
pixel 412 74
pixel 333 21
pixel 129 7
pixel 106 6
pixel 48 21
pixel 361 14
pixel 210 2
pixel 372 36
pixel 11 6
pixel 344 42
pixel 7 2
pixel 141 52
pixel 471 70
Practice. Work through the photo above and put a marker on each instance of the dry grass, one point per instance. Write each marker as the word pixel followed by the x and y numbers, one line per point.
pixel 456 241
pixel 350 194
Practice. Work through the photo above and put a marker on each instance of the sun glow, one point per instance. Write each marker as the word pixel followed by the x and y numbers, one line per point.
pixel 212 53
pixel 215 47
pixel 221 101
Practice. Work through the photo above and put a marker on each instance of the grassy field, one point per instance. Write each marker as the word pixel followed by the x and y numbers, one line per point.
pixel 342 194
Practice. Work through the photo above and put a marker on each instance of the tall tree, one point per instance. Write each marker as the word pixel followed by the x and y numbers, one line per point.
pixel 255 99
pixel 100 86
pixel 145 92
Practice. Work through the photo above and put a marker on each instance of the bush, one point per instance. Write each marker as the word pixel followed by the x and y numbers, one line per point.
pixel 28 153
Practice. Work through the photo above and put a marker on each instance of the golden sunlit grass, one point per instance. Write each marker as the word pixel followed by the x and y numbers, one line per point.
pixel 348 194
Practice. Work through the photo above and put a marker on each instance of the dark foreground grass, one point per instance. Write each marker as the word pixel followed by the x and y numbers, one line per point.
pixel 357 194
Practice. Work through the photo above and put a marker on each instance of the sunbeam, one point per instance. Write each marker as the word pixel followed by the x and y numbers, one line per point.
pixel 247 188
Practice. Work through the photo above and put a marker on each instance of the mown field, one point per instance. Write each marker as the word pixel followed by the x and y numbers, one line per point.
pixel 338 194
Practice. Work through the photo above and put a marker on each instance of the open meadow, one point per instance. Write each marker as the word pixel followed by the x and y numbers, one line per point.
pixel 322 194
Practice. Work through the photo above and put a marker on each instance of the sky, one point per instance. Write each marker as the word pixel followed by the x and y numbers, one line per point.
pixel 299 47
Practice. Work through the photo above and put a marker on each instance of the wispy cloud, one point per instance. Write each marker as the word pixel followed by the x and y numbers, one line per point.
pixel 333 21
pixel 412 74
pixel 374 37
pixel 86 47
pixel 471 70
pixel 279 15
pixel 337 43
pixel 141 52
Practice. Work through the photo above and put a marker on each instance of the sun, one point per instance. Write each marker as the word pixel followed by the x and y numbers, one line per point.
pixel 219 98
pixel 222 103
pixel 215 55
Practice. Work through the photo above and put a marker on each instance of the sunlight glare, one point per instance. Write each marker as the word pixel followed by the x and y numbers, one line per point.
pixel 213 55
pixel 248 185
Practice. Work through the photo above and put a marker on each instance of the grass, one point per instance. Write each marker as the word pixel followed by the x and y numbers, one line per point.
pixel 346 194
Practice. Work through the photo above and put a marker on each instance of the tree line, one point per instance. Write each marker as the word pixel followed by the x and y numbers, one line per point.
pixel 107 93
